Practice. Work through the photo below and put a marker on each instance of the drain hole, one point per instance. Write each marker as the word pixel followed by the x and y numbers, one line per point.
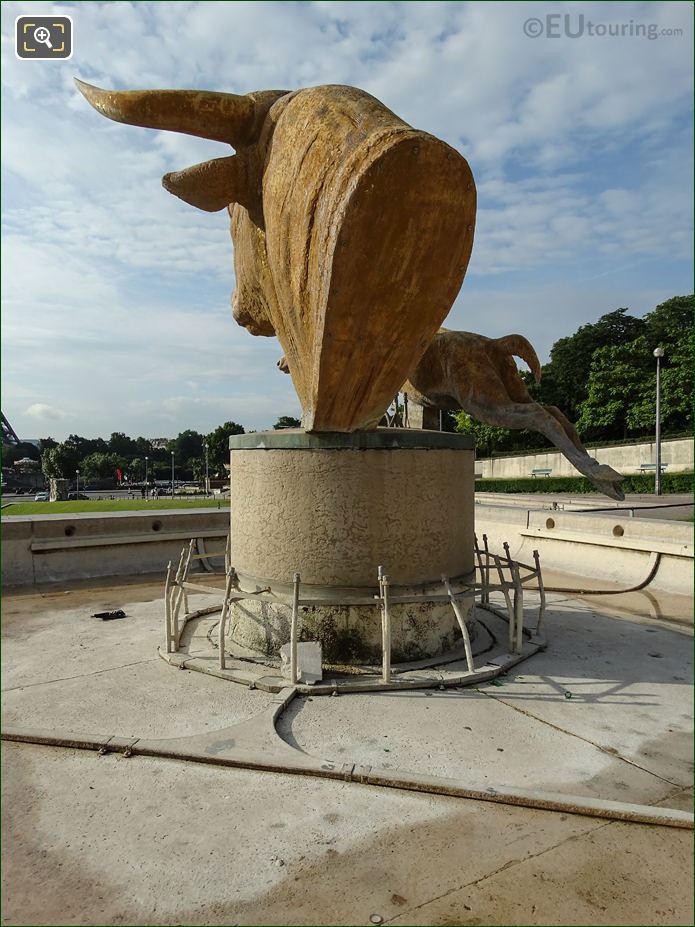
pixel 156 525
pixel 69 531
pixel 618 531
pixel 550 523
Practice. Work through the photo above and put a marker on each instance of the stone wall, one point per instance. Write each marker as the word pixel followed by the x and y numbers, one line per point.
pixel 677 454
pixel 51 548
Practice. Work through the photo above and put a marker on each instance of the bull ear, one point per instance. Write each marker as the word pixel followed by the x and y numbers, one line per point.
pixel 211 185
pixel 222 117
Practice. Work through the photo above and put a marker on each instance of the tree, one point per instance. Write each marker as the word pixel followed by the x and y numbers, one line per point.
pixel 100 466
pixel 488 438
pixel 670 326
pixel 60 461
pixel 570 357
pixel 86 446
pixel 46 444
pixel 136 470
pixel 669 321
pixel 622 379
pixel 143 447
pixel 121 444
pixel 286 421
pixel 616 383
pixel 187 446
pixel 218 445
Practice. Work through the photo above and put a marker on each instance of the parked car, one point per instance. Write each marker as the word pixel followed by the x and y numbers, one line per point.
pixel 41 497
pixel 74 496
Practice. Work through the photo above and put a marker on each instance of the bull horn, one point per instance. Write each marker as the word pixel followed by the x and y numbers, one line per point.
pixel 222 117
pixel 211 185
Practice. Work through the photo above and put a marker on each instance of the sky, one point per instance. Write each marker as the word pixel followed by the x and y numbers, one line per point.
pixel 116 295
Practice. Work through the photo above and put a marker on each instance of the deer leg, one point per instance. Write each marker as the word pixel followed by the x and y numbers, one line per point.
pixel 535 417
pixel 570 430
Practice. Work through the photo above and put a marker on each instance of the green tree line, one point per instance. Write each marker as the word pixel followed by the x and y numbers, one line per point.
pixel 603 377
pixel 100 459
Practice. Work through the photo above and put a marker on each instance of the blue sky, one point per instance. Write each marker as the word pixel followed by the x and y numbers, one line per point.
pixel 116 295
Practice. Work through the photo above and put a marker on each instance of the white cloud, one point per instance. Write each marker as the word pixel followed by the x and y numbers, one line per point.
pixel 116 295
pixel 41 412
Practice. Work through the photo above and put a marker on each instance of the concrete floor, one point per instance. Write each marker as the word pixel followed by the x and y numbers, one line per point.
pixel 145 840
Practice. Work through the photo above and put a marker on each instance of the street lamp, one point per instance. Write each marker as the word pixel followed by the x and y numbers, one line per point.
pixel 658 354
pixel 147 482
pixel 172 474
pixel 207 474
pixel 77 474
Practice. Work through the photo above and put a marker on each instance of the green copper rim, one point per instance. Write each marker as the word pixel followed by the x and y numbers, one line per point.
pixel 295 439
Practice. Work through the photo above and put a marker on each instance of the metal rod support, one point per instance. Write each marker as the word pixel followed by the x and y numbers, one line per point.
pixel 223 620
pixel 385 628
pixel 167 609
pixel 462 624
pixel 293 630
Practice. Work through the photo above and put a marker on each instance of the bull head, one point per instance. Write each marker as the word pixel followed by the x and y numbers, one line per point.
pixel 352 231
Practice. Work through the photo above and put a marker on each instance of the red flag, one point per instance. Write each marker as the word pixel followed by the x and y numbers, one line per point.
pixel 118 474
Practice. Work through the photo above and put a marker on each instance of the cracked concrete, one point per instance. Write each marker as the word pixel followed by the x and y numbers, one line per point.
pixel 146 840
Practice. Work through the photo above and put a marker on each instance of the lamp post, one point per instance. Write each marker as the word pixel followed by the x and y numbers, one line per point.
pixel 77 475
pixel 207 474
pixel 172 474
pixel 147 482
pixel 658 354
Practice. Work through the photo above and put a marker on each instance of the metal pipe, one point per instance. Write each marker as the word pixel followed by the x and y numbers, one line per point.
pixel 518 609
pixel 462 624
pixel 167 609
pixel 541 590
pixel 508 599
pixel 173 592
pixel 223 619
pixel 481 568
pixel 658 354
pixel 293 630
pixel 181 592
pixel 385 630
pixel 228 553
pixel 486 594
pixel 191 548
pixel 385 778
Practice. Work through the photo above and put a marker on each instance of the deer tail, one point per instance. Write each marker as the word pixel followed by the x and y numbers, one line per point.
pixel 520 347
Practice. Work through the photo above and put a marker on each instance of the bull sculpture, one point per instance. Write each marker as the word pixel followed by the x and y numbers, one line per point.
pixel 352 231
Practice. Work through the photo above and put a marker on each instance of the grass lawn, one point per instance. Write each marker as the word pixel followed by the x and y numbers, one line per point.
pixel 110 505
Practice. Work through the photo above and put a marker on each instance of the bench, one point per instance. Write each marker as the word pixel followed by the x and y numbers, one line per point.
pixel 644 467
pixel 542 471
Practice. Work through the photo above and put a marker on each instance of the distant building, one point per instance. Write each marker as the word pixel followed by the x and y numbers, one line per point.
pixel 159 444
pixel 26 463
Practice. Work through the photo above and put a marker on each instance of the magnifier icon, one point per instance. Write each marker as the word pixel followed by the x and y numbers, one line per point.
pixel 43 36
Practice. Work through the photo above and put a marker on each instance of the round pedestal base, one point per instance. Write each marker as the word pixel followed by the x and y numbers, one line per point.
pixel 351 634
pixel 335 508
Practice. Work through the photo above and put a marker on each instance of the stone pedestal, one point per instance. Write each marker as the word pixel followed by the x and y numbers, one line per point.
pixel 423 417
pixel 335 507
pixel 59 489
